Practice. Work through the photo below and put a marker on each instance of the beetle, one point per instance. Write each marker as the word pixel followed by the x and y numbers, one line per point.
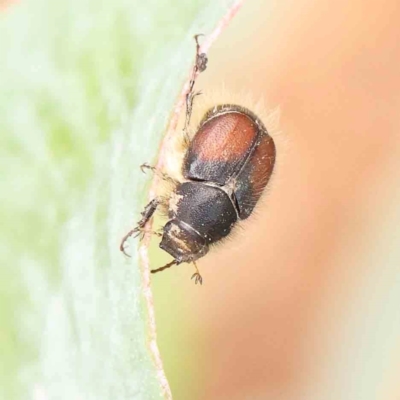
pixel 227 165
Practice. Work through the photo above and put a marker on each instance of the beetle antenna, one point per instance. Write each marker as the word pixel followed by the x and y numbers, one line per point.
pixel 169 265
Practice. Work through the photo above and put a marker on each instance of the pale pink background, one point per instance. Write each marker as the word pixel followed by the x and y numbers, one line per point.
pixel 267 321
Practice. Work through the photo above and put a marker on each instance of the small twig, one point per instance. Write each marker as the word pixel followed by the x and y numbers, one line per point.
pixel 143 248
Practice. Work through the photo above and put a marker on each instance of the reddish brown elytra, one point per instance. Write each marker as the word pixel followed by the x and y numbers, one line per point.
pixel 228 163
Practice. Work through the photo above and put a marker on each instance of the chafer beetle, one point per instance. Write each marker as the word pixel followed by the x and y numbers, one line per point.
pixel 227 165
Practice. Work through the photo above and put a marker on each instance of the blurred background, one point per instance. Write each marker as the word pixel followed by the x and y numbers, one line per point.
pixel 303 303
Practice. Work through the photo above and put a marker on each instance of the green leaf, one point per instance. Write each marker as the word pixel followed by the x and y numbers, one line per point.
pixel 86 91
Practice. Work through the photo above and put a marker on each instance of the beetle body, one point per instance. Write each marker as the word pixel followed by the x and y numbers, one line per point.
pixel 227 165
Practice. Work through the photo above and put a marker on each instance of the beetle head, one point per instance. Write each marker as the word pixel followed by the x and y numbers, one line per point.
pixel 183 242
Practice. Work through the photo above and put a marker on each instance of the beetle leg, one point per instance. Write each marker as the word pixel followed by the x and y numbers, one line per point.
pixel 142 231
pixel 197 277
pixel 161 175
pixel 200 65
pixel 169 265
pixel 201 58
pixel 147 213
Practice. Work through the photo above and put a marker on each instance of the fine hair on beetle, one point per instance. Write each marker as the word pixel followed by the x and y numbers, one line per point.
pixel 214 175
